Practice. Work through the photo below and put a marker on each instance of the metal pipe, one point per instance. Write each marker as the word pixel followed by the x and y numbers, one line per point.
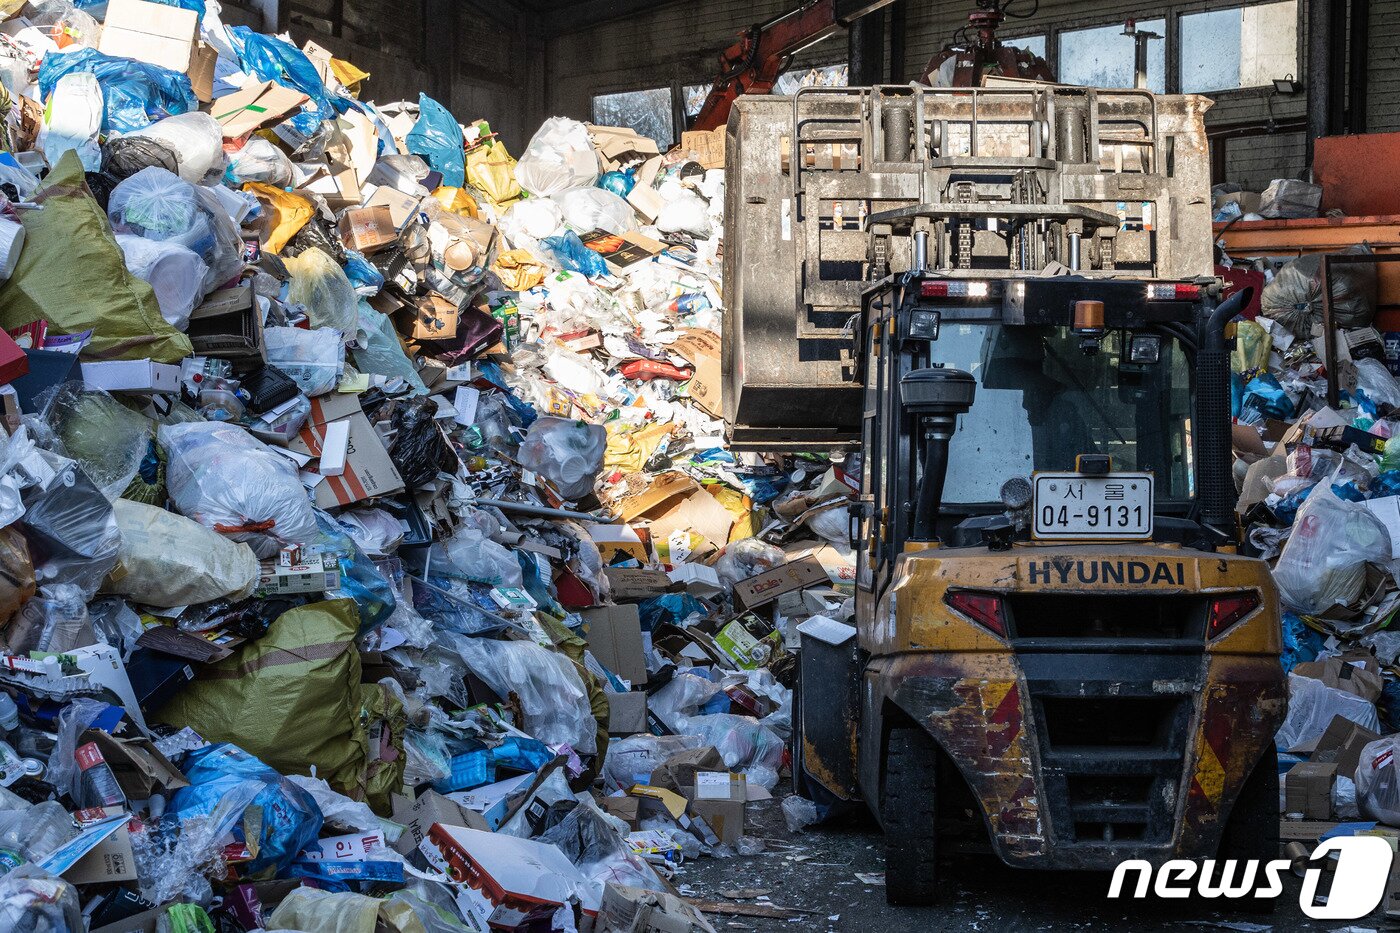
pixel 920 250
pixel 1074 239
pixel 525 508
pixel 938 432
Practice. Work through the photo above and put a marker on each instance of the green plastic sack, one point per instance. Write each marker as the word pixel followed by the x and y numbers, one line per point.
pixel 293 699
pixel 71 273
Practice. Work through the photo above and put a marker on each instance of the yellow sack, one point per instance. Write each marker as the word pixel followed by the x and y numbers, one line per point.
pixel 518 270
pixel 287 213
pixel 491 170
pixel 348 75
pixel 738 505
pixel 457 201
pixel 630 447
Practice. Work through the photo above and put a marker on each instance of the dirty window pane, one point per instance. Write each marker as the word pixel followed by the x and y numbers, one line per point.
pixel 695 95
pixel 1033 44
pixel 1241 47
pixel 647 112
pixel 1103 56
pixel 827 76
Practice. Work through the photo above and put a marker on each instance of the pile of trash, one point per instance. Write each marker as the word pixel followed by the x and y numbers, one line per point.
pixel 1320 498
pixel 372 556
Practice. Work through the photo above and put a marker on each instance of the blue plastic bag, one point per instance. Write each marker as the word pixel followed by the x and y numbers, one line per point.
pixel 291 820
pixel 438 139
pixel 360 580
pixel 619 183
pixel 270 59
pixel 134 94
pixel 569 250
pixel 1264 395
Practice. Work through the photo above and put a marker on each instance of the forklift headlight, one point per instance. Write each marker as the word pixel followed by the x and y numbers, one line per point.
pixel 923 325
pixel 1145 348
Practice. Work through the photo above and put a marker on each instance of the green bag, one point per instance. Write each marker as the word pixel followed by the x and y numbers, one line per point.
pixel 71 273
pixel 293 699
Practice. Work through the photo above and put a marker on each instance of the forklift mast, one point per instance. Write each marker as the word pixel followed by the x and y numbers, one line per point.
pixel 834 189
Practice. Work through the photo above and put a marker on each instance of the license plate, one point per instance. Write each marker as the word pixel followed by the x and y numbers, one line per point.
pixel 1076 507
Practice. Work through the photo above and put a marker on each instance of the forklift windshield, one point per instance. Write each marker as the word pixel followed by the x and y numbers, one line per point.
pixel 1042 399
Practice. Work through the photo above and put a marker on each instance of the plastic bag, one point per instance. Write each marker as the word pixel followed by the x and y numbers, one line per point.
pixel 1294 296
pixel 319 284
pixel 360 579
pixel 1311 707
pixel 680 698
pixel 631 760
pixel 271 59
pixel 309 910
pixel 107 439
pixel 745 558
pixel 197 141
pixel 531 220
pixel 1373 378
pixel 472 555
pixel 1324 562
pixel 226 480
pixel 377 532
pixel 174 271
pixel 551 693
pixel 55 620
pixel 284 215
pixel 1290 197
pixel 159 205
pixel 16 575
pixel 261 161
pixel 32 899
pixel 73 120
pixel 168 560
pixel 570 253
pixel 382 354
pixel 72 534
pixel 798 813
pixel 290 818
pixel 124 156
pixel 438 139
pixel 688 213
pixel 743 742
pixel 1378 780
pixel 135 94
pixel 491 170
pixel 589 209
pixel 567 453
pixel 337 810
pixel 560 156
pixel 313 359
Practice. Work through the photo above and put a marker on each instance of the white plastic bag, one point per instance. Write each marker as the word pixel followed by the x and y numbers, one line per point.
pixel 320 284
pixel 472 555
pixel 174 272
pixel 375 531
pixel 589 209
pixel 530 220
pixel 552 695
pixel 168 560
pixel 560 156
pixel 688 213
pixel 567 453
pixel 197 141
pixel 313 359
pixel 259 160
pixel 1311 707
pixel 680 698
pixel 73 120
pixel 1378 781
pixel 224 479
pixel 1324 562
pixel 745 558
pixel 1375 380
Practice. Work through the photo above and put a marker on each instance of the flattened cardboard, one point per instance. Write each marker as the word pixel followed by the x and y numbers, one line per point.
pixel 707 146
pixel 368 470
pixel 636 583
pixel 641 911
pixel 258 103
pixel 627 713
pixel 1341 742
pixel 625 808
pixel 111 860
pixel 701 348
pixel 623 251
pixel 769 585
pixel 615 638
pixel 1359 676
pixel 1308 789
pixel 150 32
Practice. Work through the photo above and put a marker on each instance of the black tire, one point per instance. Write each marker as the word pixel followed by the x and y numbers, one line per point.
pixel 908 810
pixel 1252 829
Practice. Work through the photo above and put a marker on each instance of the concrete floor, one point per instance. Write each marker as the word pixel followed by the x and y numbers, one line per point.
pixel 816 871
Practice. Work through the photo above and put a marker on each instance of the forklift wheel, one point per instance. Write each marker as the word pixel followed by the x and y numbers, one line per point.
pixel 1252 830
pixel 909 808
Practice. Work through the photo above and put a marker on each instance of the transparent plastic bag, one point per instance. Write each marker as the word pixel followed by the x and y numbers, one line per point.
pixel 552 695
pixel 72 534
pixel 197 141
pixel 382 354
pixel 798 813
pixel 631 760
pixel 745 558
pixel 1378 780
pixel 1373 378
pixel 471 555
pixel 33 900
pixel 589 209
pixel 743 742
pixel 34 832
pixel 1323 564
pixel 224 479
pixel 159 205
pixel 560 156
pixel 1311 707
pixel 338 811
pixel 168 560
pixel 107 439
pixel 54 620
pixel 313 359
pixel 377 532
pixel 174 271
pixel 320 284
pixel 567 453
pixel 261 161
pixel 680 698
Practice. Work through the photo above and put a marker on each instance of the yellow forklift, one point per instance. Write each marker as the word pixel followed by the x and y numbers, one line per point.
pixel 1000 301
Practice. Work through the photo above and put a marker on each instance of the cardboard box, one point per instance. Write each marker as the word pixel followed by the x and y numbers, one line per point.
pixel 707 146
pixel 111 860
pixel 615 638
pixel 769 585
pixel 525 881
pixel 701 348
pixel 494 801
pixel 679 770
pixel 258 103
pixel 676 503
pixel 625 808
pixel 320 573
pixel 643 197
pixel 725 816
pixel 142 377
pixel 420 815
pixel 368 229
pixel 13 362
pixel 1308 831
pixel 1341 742
pixel 1308 789
pixel 368 470
pixel 618 146
pixel 159 35
pixel 1359 676
pixel 638 910
pixel 617 543
pixel 636 583
pixel 697 579
pixel 401 206
pixel 228 326
pixel 139 767
pixel 627 713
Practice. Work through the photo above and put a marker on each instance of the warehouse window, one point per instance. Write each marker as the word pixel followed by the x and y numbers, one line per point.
pixel 1033 44
pixel 695 95
pixel 1241 47
pixel 648 112
pixel 825 76
pixel 1104 56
